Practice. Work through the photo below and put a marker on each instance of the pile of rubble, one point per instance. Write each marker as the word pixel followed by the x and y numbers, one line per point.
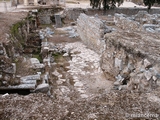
pixel 139 22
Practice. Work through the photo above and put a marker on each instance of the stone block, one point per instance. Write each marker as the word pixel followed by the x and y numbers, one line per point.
pixel 44 88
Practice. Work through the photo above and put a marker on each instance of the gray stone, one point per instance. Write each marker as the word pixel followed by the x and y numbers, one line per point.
pixel 157 30
pixel 148 75
pixel 146 63
pixel 45 19
pixel 122 87
pixel 23 86
pixel 1 52
pixel 37 66
pixel 142 13
pixel 118 63
pixel 131 66
pixel 45 78
pixel 49 31
pixel 5 95
pixel 34 61
pixel 150 30
pixel 30 77
pixel 158 82
pixel 58 21
pixel 119 78
pixel 154 78
pixel 152 26
pixel 44 88
pixel 14 67
pixel 78 84
pixel 117 83
pixel 29 82
pixel 107 30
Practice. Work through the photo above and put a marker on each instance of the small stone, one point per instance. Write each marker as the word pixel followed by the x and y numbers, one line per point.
pixel 146 63
pixel 119 78
pixel 122 87
pixel 5 95
pixel 84 96
pixel 148 75
pixel 78 84
pixel 118 63
pixel 0 76
pixel 42 88
pixel 154 78
pixel 117 83
pixel 65 54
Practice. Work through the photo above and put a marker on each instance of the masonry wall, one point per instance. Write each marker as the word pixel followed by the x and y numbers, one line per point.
pixel 129 56
pixel 91 31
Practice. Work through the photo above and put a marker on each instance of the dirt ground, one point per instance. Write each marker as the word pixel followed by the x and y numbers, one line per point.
pixel 106 106
pixel 7 20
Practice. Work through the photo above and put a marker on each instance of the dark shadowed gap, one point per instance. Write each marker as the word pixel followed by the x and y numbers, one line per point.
pixel 18 91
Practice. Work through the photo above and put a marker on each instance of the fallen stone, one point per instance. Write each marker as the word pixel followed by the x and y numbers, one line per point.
pixel 44 88
pixel 117 83
pixel 150 30
pixel 150 26
pixel 122 87
pixel 34 61
pixel 146 63
pixel 148 75
pixel 119 78
pixel 118 63
pixel 65 90
pixel 154 78
pixel 5 95
pixel 30 77
pixel 65 54
pixel 78 84
pixel 37 66
pixel 84 96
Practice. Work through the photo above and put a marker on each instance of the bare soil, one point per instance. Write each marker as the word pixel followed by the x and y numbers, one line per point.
pixel 7 20
pixel 112 106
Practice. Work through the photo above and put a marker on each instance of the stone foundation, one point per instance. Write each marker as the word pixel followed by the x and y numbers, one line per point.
pixel 129 54
pixel 91 31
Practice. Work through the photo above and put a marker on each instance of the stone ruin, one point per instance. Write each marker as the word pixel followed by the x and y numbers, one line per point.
pixel 129 50
pixel 22 40
pixel 29 47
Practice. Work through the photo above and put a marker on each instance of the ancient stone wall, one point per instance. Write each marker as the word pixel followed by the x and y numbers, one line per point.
pixel 129 55
pixel 91 31
pixel 22 39
pixel 7 68
pixel 131 60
